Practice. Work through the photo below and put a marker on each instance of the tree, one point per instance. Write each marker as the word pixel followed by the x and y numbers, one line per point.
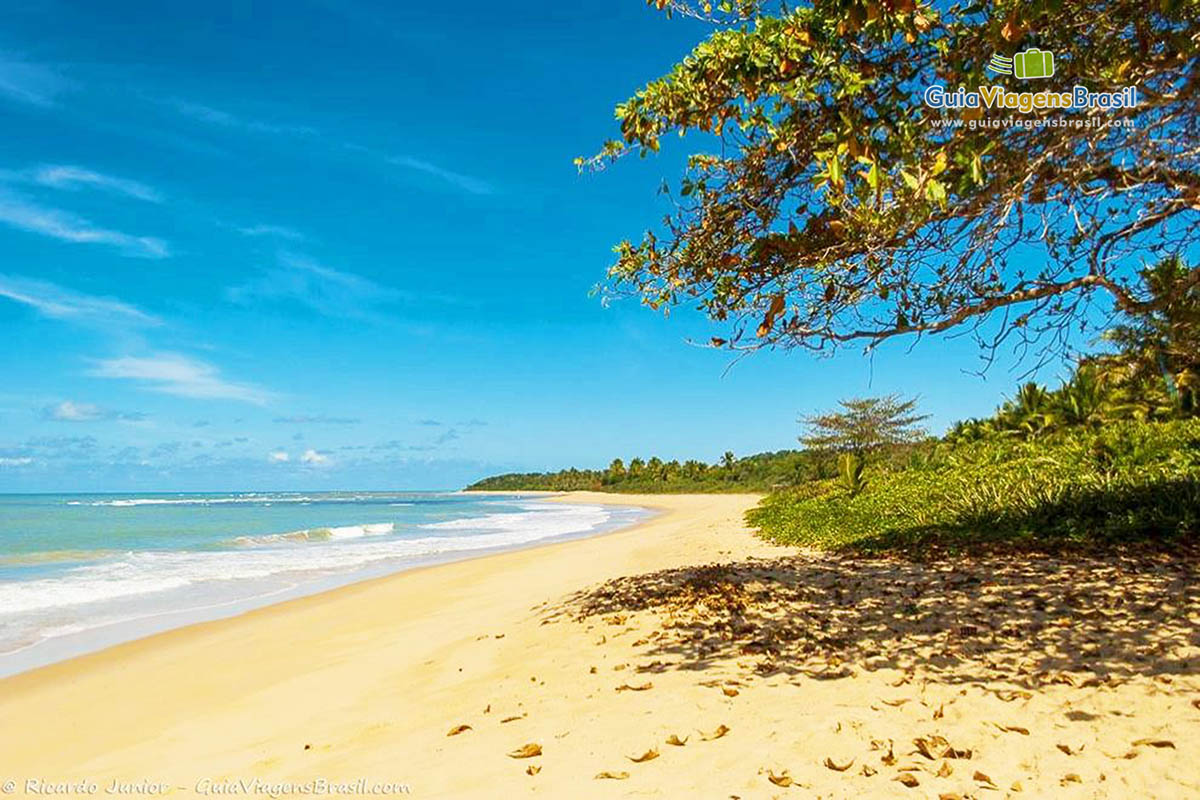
pixel 865 424
pixel 836 206
pixel 728 461
pixel 1159 351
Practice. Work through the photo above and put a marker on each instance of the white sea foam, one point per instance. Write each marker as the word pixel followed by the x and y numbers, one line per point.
pixel 320 534
pixel 86 590
pixel 132 502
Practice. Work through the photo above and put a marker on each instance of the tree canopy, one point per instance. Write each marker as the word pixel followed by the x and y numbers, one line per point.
pixel 831 205
pixel 865 424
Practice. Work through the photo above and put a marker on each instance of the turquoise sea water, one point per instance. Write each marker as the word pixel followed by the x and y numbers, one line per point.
pixel 78 572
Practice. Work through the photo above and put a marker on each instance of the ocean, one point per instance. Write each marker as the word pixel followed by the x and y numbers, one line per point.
pixel 82 572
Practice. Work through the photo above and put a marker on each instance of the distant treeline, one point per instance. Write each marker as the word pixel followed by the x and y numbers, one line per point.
pixel 761 472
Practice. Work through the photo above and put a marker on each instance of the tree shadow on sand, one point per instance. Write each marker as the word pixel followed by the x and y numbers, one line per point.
pixel 1026 620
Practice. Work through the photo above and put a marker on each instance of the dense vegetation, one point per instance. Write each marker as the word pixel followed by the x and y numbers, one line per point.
pixel 1111 455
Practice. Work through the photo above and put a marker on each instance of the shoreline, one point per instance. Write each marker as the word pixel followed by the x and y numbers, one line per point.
pixel 117 700
pixel 47 652
pixel 682 656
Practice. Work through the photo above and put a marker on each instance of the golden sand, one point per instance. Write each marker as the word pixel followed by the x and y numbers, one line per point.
pixel 679 658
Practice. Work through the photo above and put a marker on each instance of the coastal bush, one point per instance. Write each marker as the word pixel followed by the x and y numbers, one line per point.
pixel 1126 481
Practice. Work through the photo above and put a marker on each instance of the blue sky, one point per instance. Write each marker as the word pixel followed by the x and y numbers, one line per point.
pixel 343 245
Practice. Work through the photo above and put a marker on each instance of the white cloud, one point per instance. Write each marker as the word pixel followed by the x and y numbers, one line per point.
pixel 224 119
pixel 26 215
pixel 176 374
pixel 68 411
pixel 57 302
pixel 300 279
pixel 314 458
pixel 15 462
pixel 29 82
pixel 62 176
pixel 277 231
pixel 464 182
pixel 277 457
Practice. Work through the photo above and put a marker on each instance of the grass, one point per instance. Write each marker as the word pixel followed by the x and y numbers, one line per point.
pixel 1128 482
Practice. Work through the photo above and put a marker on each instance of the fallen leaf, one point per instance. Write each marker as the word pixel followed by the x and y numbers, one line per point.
pixel 457 729
pixel 1066 749
pixel 512 719
pixel 1012 728
pixel 1196 703
pixel 625 687
pixel 829 762
pixel 533 769
pixel 526 751
pixel 896 703
pixel 908 779
pixel 941 711
pixel 649 755
pixel 612 776
pixel 675 740
pixel 945 770
pixel 1070 777
pixel 1017 787
pixel 867 770
pixel 782 779
pixel 982 778
pixel 717 734
pixel 950 796
pixel 889 759
pixel 1155 743
pixel 1009 696
pixel 730 691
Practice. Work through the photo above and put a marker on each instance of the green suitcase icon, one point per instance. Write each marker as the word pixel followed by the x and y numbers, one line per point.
pixel 1033 63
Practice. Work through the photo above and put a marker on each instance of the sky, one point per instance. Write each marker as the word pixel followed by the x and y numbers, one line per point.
pixel 331 244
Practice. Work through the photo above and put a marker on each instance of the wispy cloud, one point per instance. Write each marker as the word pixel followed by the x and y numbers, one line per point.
pixel 302 280
pixel 456 179
pixel 30 82
pixel 176 374
pixel 447 437
pixel 57 302
pixel 26 215
pixel 68 411
pixel 278 457
pixel 225 119
pixel 429 423
pixel 23 461
pixel 319 419
pixel 276 231
pixel 65 176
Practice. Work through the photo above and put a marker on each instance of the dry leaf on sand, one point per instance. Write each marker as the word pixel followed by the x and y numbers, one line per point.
pixel 782 779
pixel 533 769
pixel 908 779
pixel 730 691
pixel 717 734
pixel 457 729
pixel 1154 743
pixel 675 740
pixel 526 751
pixel 611 776
pixel 625 687
pixel 982 778
pixel 831 764
pixel 649 755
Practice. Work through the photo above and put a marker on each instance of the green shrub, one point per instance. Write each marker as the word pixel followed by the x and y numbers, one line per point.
pixel 1127 481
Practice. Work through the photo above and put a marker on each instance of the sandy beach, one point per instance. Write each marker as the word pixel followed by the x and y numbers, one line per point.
pixel 682 657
